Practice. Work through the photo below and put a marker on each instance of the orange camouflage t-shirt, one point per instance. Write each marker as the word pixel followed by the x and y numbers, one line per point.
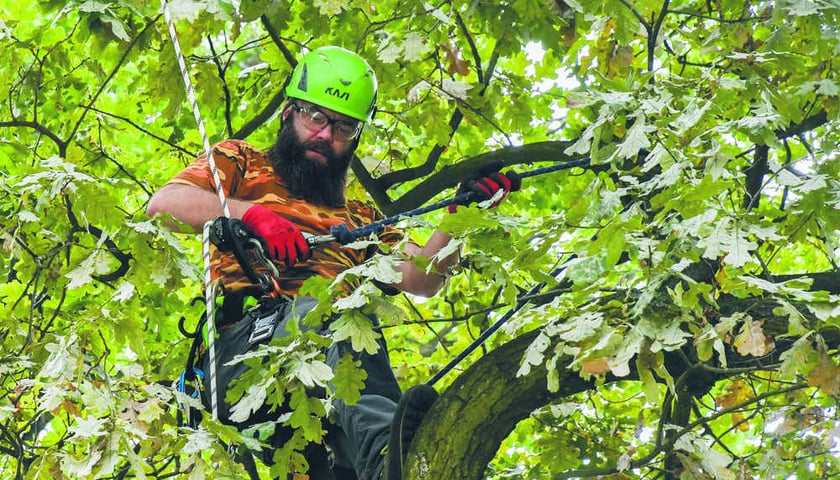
pixel 247 174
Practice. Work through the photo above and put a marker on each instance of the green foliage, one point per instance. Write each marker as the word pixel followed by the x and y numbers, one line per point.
pixel 713 128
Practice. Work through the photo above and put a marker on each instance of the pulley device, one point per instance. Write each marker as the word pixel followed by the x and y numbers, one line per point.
pixel 232 235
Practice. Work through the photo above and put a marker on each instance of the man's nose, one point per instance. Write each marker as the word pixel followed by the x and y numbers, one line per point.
pixel 325 132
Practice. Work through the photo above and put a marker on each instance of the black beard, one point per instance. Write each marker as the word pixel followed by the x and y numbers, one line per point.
pixel 305 178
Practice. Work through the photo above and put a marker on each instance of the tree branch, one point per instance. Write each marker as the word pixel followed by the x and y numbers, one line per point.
pixel 257 121
pixel 654 34
pixel 755 177
pixel 475 54
pixel 400 176
pixel 140 128
pixel 822 281
pixel 61 144
pixel 225 90
pixel 817 120
pixel 490 398
pixel 123 257
pixel 669 445
pixel 127 53
pixel 278 98
pixel 275 37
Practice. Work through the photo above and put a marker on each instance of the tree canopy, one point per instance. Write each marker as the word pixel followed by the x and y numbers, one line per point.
pixel 673 298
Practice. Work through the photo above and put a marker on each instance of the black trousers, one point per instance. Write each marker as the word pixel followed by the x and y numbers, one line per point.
pixel 360 431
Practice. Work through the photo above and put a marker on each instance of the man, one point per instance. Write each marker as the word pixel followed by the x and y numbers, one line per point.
pixel 297 186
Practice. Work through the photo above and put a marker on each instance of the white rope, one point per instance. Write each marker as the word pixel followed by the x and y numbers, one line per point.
pixel 210 308
pixel 210 289
pixel 191 96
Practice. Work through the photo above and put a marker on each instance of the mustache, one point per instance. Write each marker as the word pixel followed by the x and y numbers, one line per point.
pixel 321 146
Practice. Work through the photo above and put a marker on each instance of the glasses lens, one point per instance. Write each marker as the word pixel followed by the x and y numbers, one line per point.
pixel 346 130
pixel 315 120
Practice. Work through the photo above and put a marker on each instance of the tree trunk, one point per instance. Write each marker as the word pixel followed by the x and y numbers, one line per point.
pixel 465 427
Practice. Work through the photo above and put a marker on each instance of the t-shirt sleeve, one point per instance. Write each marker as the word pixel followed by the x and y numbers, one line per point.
pixel 230 159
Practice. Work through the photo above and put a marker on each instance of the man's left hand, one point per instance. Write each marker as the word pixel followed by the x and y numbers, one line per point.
pixel 486 187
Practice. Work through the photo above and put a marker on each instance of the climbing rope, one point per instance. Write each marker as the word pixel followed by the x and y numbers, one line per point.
pixel 210 287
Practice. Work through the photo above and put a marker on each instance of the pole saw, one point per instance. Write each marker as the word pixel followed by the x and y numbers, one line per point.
pixel 342 235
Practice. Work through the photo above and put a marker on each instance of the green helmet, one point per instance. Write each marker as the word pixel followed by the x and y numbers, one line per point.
pixel 337 79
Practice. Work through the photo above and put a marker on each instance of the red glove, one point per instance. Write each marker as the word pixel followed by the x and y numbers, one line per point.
pixel 486 187
pixel 284 241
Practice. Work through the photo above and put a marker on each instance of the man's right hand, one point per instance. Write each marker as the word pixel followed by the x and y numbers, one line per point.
pixel 283 238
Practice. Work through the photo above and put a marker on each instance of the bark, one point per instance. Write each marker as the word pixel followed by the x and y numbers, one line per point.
pixel 465 427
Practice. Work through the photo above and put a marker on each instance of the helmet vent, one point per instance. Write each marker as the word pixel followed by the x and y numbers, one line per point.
pixel 302 82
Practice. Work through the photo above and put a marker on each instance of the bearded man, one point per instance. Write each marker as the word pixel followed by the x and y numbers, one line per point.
pixel 297 187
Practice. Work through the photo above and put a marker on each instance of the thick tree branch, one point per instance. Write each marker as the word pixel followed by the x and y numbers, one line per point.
pixel 822 281
pixel 755 177
pixel 486 402
pixel 817 120
pixel 452 175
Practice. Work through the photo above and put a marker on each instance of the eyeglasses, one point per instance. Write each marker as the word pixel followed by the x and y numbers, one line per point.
pixel 315 120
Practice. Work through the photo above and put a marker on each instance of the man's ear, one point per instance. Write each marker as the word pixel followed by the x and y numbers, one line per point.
pixel 286 110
